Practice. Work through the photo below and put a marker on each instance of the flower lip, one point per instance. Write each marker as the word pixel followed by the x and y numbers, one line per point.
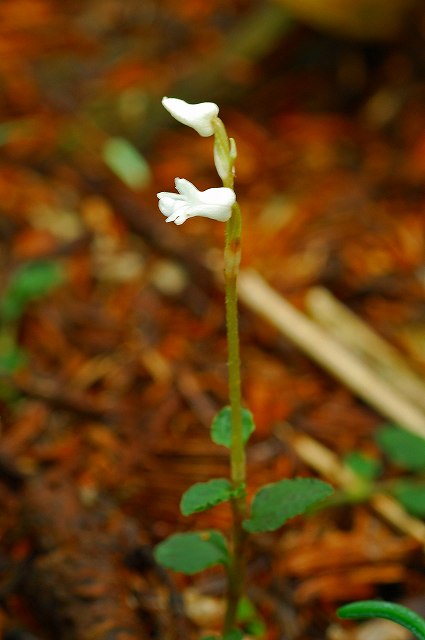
pixel 215 203
pixel 198 116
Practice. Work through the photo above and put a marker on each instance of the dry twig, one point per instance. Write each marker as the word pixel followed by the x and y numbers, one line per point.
pixel 329 466
pixel 360 338
pixel 331 355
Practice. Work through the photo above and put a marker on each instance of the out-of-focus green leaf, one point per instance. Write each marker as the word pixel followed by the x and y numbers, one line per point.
pixel 12 357
pixel 402 447
pixel 250 619
pixel 126 162
pixel 364 466
pixel 411 494
pixel 29 282
pixel 234 634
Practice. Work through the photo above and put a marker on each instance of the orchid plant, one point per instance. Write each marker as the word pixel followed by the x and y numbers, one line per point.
pixel 275 503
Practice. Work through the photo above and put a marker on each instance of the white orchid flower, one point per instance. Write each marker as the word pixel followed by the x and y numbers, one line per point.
pixel 198 116
pixel 189 202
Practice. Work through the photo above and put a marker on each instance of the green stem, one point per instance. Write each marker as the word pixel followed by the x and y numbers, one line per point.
pixel 237 450
pixel 231 268
pixel 232 253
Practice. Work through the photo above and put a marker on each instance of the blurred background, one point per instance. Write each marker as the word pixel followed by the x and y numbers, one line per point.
pixel 112 336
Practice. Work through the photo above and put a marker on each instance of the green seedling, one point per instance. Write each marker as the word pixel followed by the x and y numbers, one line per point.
pixel 30 281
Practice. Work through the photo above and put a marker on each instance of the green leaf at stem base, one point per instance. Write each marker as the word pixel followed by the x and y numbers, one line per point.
pixel 276 503
pixel 192 552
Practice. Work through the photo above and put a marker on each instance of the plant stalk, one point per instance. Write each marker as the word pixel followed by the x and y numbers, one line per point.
pixel 236 569
pixel 232 253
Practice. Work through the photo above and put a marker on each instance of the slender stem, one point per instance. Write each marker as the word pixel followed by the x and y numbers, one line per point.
pixel 232 253
pixel 236 569
pixel 231 267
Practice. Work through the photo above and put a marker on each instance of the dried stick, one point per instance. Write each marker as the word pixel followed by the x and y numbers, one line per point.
pixel 360 338
pixel 329 466
pixel 332 356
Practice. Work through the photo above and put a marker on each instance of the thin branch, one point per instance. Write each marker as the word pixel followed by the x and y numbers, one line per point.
pixel 329 354
pixel 360 338
pixel 326 462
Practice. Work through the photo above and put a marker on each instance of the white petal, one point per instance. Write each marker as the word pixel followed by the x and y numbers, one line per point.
pixel 180 219
pixel 198 116
pixel 219 196
pixel 187 190
pixel 168 205
pixel 221 213
pixel 179 216
pixel 169 194
pixel 171 217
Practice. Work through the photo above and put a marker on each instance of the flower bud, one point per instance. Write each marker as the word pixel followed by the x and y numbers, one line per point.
pixel 198 116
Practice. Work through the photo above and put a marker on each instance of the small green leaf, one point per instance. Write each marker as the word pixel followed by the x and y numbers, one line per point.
pixel 221 428
pixel 364 466
pixel 234 634
pixel 192 552
pixel 29 282
pixel 126 162
pixel 275 503
pixel 412 496
pixel 405 449
pixel 204 495
pixel 249 618
pixel 12 358
pixel 395 612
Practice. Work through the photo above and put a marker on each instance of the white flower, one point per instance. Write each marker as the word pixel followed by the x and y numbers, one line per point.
pixel 189 201
pixel 198 116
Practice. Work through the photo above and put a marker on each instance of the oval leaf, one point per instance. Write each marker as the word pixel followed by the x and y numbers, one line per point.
pixel 402 447
pixel 192 552
pixel 204 495
pixel 221 428
pixel 275 503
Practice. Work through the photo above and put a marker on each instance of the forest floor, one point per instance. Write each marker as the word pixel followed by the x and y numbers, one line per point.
pixel 120 367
